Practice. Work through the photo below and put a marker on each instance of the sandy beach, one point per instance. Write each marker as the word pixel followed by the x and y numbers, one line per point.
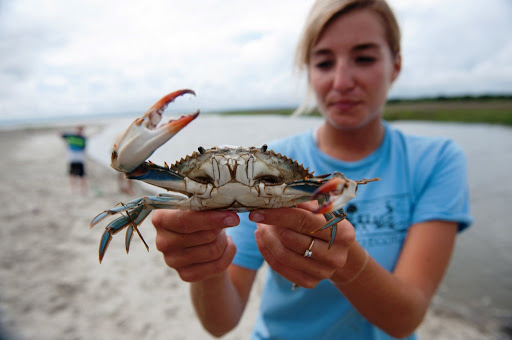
pixel 52 286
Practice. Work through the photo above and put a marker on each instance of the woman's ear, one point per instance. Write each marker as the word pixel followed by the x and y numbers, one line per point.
pixel 397 66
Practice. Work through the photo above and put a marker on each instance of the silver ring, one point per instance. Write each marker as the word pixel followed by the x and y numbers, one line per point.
pixel 309 252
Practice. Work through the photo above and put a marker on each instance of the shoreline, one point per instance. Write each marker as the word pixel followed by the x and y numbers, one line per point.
pixel 52 286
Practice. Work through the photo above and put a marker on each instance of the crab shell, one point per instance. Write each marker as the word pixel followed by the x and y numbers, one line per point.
pixel 238 179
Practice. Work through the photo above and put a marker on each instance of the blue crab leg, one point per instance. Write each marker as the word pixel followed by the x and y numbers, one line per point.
pixel 158 202
pixel 332 221
pixel 133 218
pixel 332 196
pixel 134 225
pixel 121 207
pixel 158 176
pixel 128 238
pixel 138 210
pixel 154 202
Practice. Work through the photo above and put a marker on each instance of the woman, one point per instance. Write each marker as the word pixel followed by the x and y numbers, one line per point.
pixel 388 257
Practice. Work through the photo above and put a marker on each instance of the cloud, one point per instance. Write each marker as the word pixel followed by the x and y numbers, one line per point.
pixel 451 47
pixel 67 57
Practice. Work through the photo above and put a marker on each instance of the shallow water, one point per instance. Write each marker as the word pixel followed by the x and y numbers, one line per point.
pixel 479 280
pixel 478 284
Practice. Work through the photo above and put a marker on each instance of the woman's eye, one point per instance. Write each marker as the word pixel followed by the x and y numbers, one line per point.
pixel 365 59
pixel 324 64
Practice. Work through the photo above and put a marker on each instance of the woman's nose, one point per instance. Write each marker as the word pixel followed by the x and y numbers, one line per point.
pixel 343 78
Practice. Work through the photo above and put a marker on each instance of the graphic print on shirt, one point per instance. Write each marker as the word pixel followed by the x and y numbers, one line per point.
pixel 381 222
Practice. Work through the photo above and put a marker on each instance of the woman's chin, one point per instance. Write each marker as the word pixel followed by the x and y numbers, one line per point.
pixel 349 122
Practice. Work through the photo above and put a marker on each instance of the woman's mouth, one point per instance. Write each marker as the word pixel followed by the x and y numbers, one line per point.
pixel 344 105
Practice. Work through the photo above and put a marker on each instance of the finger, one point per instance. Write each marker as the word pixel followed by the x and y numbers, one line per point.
pixel 344 235
pixel 188 221
pixel 287 262
pixel 167 241
pixel 198 254
pixel 318 249
pixel 292 274
pixel 301 220
pixel 202 271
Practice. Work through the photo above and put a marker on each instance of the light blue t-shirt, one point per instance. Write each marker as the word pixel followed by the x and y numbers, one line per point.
pixel 422 178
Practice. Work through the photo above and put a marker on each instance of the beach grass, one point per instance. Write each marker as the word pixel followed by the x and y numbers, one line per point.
pixel 489 111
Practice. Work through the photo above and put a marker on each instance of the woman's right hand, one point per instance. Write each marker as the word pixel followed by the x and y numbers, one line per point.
pixel 194 242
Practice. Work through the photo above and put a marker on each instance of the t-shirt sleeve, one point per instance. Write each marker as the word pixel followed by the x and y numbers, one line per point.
pixel 247 252
pixel 441 190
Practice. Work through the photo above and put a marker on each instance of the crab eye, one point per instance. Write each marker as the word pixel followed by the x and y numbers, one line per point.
pixel 269 179
pixel 203 179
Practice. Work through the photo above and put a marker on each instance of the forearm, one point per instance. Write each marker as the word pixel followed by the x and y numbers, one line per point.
pixel 220 301
pixel 217 303
pixel 381 297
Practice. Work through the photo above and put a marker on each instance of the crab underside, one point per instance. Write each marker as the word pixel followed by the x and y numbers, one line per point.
pixel 225 178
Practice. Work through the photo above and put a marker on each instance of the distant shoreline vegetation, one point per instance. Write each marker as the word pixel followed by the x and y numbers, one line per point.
pixel 490 109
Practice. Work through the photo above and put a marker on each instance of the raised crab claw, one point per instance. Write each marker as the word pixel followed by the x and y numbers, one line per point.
pixel 226 178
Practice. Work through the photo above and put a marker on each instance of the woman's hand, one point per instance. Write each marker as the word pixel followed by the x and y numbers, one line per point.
pixel 194 242
pixel 284 235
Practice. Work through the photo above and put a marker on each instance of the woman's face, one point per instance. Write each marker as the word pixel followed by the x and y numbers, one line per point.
pixel 351 70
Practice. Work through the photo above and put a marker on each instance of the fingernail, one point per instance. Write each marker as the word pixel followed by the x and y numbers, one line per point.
pixel 230 221
pixel 256 217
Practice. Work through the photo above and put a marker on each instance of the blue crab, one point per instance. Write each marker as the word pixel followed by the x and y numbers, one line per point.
pixel 229 178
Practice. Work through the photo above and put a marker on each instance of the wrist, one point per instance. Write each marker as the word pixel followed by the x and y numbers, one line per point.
pixel 357 262
pixel 212 280
pixel 207 289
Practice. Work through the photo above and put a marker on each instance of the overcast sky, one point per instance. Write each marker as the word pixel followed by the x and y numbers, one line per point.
pixel 81 57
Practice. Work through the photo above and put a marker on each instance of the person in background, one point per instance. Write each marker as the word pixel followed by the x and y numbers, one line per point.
pixel 388 257
pixel 76 143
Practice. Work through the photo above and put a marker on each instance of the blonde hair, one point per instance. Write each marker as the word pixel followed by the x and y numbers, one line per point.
pixel 323 13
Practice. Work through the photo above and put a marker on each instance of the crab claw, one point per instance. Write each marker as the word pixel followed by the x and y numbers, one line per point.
pixel 341 190
pixel 144 135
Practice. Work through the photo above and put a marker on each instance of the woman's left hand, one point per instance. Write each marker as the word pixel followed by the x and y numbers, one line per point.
pixel 285 234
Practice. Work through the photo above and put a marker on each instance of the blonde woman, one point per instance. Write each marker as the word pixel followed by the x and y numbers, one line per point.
pixel 388 257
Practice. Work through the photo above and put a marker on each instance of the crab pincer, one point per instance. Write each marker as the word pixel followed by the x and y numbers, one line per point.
pixel 340 191
pixel 337 192
pixel 144 135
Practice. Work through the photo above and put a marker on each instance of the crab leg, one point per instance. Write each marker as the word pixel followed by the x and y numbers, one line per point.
pixel 136 211
pixel 134 218
pixel 120 208
pixel 332 222
pixel 339 190
pixel 144 135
